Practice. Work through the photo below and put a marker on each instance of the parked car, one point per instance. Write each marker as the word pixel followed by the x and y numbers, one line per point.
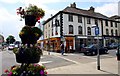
pixel 11 47
pixel 92 50
pixel 112 46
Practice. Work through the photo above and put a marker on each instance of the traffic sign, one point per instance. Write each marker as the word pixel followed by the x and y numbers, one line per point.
pixel 96 30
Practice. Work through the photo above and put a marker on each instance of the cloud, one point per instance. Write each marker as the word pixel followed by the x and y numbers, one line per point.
pixel 9 23
pixel 108 9
pixel 10 1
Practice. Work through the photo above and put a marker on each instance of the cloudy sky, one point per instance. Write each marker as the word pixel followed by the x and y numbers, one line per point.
pixel 10 23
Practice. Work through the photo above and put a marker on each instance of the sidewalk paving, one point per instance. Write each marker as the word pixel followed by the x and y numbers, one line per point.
pixel 108 66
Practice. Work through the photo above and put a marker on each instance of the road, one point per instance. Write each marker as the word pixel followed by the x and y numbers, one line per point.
pixel 53 60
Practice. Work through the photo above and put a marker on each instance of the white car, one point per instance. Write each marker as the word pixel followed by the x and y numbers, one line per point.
pixel 11 47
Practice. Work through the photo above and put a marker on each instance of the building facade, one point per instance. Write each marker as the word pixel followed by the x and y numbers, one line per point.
pixel 1 39
pixel 74 26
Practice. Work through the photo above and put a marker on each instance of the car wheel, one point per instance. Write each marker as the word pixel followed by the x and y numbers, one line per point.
pixel 93 53
pixel 106 51
pixel 85 54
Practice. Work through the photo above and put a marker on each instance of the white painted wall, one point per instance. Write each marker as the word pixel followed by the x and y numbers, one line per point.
pixel 75 24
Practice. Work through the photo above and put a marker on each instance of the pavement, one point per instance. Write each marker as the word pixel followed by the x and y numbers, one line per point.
pixel 107 66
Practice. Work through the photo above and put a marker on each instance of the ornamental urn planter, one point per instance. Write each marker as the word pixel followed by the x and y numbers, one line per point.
pixel 30 20
pixel 28 55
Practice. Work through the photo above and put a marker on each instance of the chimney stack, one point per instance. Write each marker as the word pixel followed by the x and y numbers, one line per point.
pixel 92 9
pixel 73 5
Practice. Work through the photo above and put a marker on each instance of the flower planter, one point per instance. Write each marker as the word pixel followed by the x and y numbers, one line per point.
pixel 28 39
pixel 22 58
pixel 28 55
pixel 30 20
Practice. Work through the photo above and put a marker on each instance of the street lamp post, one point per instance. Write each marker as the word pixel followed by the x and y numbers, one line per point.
pixel 98 54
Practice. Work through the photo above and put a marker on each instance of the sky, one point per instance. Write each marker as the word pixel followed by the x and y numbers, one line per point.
pixel 10 23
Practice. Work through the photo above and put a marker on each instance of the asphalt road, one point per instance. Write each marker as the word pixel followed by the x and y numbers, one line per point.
pixel 53 61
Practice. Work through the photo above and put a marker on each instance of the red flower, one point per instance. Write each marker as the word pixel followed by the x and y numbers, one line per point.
pixel 6 71
pixel 38 21
pixel 38 18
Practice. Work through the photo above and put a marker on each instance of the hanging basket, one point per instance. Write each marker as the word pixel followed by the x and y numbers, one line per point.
pixel 30 20
pixel 28 55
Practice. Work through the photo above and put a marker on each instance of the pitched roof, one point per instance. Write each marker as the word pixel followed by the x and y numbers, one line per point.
pixel 114 17
pixel 84 12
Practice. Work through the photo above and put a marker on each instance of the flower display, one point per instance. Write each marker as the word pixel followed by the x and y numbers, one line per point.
pixel 29 53
pixel 29 70
pixel 30 34
pixel 31 10
pixel 26 54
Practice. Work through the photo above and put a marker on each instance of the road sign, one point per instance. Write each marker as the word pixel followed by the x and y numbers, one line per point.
pixel 96 30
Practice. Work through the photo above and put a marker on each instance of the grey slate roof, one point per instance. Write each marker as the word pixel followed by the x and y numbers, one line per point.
pixel 84 12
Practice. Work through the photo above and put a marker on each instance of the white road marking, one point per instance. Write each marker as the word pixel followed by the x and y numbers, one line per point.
pixel 44 62
pixel 69 60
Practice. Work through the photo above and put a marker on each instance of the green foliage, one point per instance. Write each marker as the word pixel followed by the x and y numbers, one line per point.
pixel 10 39
pixel 30 34
pixel 34 10
pixel 31 10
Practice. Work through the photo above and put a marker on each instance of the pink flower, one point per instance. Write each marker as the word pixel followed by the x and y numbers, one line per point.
pixel 42 72
pixel 10 74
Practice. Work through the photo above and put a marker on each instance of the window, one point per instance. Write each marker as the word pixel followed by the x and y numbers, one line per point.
pixel 116 24
pixel 57 23
pixel 112 32
pixel 88 21
pixel 52 31
pixel 96 22
pixel 79 30
pixel 89 30
pixel 56 32
pixel 70 29
pixel 107 32
pixel 111 24
pixel 70 17
pixel 52 23
pixel 116 32
pixel 106 22
pixel 80 19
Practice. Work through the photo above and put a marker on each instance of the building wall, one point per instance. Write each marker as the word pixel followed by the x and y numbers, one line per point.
pixel 1 39
pixel 101 24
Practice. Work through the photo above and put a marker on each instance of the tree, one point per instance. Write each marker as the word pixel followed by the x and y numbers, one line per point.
pixel 10 39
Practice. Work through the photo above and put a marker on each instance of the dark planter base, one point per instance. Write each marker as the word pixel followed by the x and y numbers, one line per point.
pixel 30 20
pixel 25 59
